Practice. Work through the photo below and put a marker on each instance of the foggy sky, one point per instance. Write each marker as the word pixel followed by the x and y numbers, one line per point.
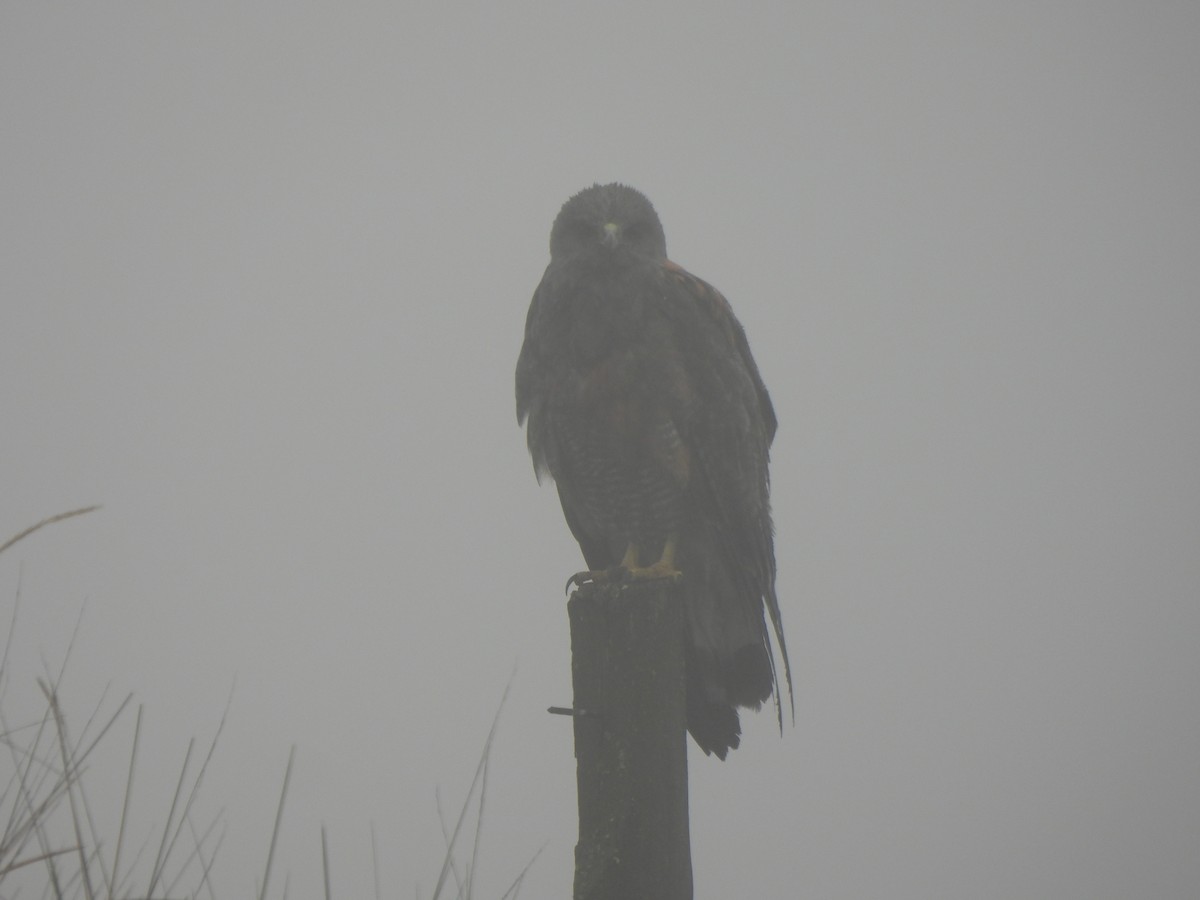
pixel 263 279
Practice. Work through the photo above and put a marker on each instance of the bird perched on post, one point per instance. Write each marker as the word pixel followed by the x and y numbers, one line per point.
pixel 646 408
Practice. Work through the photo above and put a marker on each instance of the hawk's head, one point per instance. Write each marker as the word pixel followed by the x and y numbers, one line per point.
pixel 606 219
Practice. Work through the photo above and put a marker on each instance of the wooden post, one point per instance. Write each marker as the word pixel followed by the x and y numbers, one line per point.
pixel 627 668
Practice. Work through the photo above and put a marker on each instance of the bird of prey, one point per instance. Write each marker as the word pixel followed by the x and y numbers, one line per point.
pixel 646 408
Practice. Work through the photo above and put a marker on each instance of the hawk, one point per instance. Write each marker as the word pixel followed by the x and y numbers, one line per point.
pixel 644 405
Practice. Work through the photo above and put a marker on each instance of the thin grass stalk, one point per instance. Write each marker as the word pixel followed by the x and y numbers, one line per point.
pixel 287 777
pixel 93 834
pixel 91 719
pixel 487 765
pixel 197 851
pixel 35 859
pixel 78 758
pixel 62 669
pixel 487 749
pixel 375 860
pixel 12 629
pixel 160 858
pixel 447 840
pixel 26 828
pixel 35 814
pixel 325 862
pixel 195 789
pixel 116 866
pixel 124 882
pixel 515 888
pixel 69 776
pixel 42 524
pixel 11 826
pixel 208 863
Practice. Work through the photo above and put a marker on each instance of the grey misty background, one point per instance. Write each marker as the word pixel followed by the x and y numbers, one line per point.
pixel 263 276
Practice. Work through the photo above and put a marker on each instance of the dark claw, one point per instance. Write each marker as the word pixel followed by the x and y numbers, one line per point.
pixel 615 575
pixel 579 579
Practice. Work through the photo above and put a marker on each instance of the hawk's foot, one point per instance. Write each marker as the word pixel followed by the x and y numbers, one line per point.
pixel 660 571
pixel 663 570
pixel 596 576
pixel 628 569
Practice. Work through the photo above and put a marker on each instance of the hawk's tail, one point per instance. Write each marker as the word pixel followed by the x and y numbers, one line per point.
pixel 729 661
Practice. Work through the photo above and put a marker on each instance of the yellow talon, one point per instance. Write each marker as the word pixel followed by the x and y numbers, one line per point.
pixel 664 568
pixel 629 570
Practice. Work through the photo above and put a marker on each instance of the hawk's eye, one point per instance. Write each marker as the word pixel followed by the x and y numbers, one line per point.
pixel 581 231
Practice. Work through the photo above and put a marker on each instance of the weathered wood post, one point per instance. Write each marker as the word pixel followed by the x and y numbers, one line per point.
pixel 627 668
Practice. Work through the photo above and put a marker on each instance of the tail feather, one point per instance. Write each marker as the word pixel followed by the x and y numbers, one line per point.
pixel 729 662
pixel 714 725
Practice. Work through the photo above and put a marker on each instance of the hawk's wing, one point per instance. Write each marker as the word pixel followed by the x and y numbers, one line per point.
pixel 729 432
pixel 533 385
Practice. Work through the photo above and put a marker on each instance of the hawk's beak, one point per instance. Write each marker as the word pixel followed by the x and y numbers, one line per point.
pixel 612 235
